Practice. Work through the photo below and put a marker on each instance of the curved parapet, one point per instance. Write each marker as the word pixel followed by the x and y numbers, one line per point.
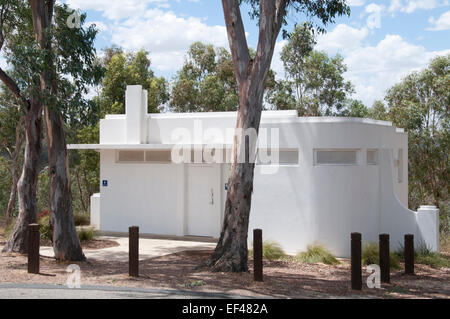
pixel 397 220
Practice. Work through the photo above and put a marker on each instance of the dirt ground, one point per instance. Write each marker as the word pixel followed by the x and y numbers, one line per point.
pixel 281 278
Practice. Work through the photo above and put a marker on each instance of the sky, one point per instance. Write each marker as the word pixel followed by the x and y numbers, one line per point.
pixel 381 41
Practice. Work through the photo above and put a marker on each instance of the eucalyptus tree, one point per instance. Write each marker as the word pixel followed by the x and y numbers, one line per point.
pixel 11 141
pixel 52 62
pixel 206 81
pixel 313 80
pixel 231 251
pixel 132 68
pixel 420 103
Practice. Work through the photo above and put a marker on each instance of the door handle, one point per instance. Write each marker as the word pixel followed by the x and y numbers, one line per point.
pixel 212 197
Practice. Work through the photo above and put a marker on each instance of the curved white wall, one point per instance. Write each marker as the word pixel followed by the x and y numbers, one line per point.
pixel 298 205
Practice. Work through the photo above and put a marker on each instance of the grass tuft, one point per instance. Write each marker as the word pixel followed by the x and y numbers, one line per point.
pixel 81 219
pixel 271 251
pixel 316 254
pixel 85 234
pixel 371 255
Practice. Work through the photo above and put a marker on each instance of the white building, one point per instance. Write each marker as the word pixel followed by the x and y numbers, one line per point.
pixel 333 176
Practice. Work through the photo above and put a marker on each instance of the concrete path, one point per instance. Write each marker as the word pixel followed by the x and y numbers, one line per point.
pixel 148 248
pixel 47 291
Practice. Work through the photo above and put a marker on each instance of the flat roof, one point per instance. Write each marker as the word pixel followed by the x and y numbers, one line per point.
pixel 155 147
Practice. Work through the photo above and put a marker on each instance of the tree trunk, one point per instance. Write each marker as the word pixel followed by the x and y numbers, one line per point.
pixel 66 244
pixel 15 172
pixel 231 251
pixel 80 190
pixel 18 240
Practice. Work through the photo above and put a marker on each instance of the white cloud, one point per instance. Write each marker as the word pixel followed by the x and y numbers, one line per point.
pixel 277 64
pixel 372 68
pixel 356 3
pixel 342 37
pixel 409 6
pixel 166 35
pixel 99 25
pixel 116 10
pixel 441 23
pixel 148 24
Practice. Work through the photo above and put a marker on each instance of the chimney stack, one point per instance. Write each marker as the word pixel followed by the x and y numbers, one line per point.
pixel 136 114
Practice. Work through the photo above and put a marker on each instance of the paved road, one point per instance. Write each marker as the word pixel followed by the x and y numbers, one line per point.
pixel 47 291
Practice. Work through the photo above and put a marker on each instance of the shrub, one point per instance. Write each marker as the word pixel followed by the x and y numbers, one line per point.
pixel 85 234
pixel 81 219
pixel 371 255
pixel 316 254
pixel 45 229
pixel 44 213
pixel 9 229
pixel 271 251
pixel 423 255
pixel 194 284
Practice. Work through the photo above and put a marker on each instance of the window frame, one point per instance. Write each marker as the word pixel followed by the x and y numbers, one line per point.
pixel 356 150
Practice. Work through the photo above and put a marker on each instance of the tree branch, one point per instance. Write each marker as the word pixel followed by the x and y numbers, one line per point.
pixel 12 86
pixel 236 38
pixel 270 22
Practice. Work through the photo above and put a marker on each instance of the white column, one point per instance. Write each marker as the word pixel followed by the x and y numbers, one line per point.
pixel 136 113
pixel 428 226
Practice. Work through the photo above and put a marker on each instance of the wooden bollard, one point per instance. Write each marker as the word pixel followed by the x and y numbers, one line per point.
pixel 133 251
pixel 409 254
pixel 33 248
pixel 356 261
pixel 257 255
pixel 385 267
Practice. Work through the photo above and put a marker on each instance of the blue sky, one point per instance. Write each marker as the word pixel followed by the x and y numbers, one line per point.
pixel 381 41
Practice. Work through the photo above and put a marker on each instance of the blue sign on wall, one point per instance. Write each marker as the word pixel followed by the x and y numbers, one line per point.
pixel 105 182
pixel 226 186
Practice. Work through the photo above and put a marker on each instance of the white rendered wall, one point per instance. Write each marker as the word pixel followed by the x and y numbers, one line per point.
pixel 299 205
pixel 95 210
pixel 324 204
pixel 147 195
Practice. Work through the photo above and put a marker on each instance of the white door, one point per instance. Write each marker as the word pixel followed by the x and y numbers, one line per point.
pixel 202 201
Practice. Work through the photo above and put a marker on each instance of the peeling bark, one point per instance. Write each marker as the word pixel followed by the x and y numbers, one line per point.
pixel 18 240
pixel 15 172
pixel 66 244
pixel 231 251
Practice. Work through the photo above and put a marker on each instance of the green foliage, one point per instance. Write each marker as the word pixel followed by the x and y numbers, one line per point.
pixel 9 229
pixel 378 111
pixel 85 234
pixel 43 190
pixel 355 108
pixel 206 81
pixel 45 229
pixel 314 83
pixel 5 183
pixel 423 255
pixel 196 283
pixel 420 103
pixel 131 68
pixel 271 251
pixel 321 13
pixel 81 219
pixel 316 254
pixel 371 255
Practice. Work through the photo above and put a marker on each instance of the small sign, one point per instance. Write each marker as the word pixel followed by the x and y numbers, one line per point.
pixel 226 186
pixel 105 182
